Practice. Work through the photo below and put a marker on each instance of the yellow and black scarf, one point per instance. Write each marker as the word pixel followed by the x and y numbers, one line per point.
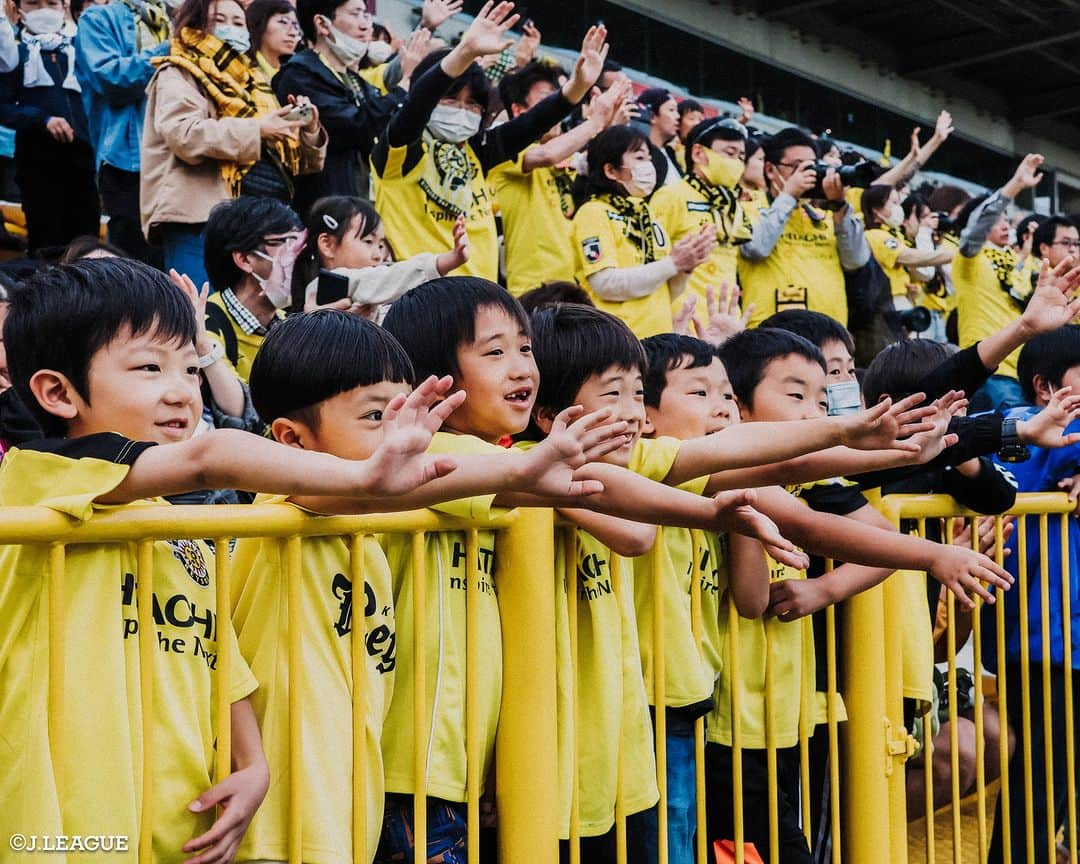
pixel 1007 270
pixel 637 223
pixel 448 176
pixel 236 86
pixel 726 206
pixel 152 25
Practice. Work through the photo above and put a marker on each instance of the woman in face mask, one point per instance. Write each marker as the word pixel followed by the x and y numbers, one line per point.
pixel 905 265
pixel 624 254
pixel 215 130
pixel 41 99
pixel 432 163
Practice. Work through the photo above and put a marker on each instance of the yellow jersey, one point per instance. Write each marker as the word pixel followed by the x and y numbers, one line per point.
pixel 802 272
pixel 606 236
pixel 88 780
pixel 446 577
pixel 885 245
pixel 330 607
pixel 537 232
pixel 241 343
pixel 415 222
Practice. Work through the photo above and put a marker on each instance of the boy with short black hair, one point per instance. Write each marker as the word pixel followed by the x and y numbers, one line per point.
pixel 102 353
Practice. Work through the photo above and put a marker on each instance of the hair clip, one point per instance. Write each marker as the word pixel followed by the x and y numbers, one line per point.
pixel 330 222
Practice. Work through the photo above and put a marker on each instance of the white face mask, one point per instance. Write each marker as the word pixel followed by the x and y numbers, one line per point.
pixel 347 49
pixel 43 22
pixel 894 216
pixel 278 285
pixel 844 398
pixel 236 38
pixel 379 52
pixel 642 180
pixel 453 125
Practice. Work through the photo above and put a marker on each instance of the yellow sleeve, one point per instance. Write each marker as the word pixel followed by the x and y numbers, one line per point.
pixel 595 239
pixel 395 163
pixel 667 208
pixel 654 458
pixel 481 507
pixel 885 247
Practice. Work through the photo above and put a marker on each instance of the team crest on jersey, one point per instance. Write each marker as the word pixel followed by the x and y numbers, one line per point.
pixel 892 243
pixel 191 558
pixel 590 246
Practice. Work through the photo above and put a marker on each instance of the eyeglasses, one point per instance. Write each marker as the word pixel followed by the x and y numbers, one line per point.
pixel 284 240
pixel 1068 244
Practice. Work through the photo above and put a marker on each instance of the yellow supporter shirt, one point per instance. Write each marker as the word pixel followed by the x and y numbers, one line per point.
pixel 885 245
pixel 329 609
pixel 802 272
pixel 537 232
pixel 90 781
pixel 936 296
pixel 683 210
pixel 687 679
pixel 240 345
pixel 991 291
pixel 604 237
pixel 416 223
pixel 445 582
pixel 376 77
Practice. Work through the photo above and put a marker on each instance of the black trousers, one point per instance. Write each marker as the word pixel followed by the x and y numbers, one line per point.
pixel 120 201
pixel 59 195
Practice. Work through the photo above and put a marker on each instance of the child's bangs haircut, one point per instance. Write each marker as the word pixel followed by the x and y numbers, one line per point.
pixel 747 354
pixel 1049 355
pixel 572 343
pixel 311 357
pixel 900 368
pixel 668 351
pixel 435 319
pixel 816 327
pixel 60 317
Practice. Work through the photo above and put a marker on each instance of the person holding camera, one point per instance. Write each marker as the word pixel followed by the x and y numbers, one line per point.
pixel 214 130
pixel 993 284
pixel 805 240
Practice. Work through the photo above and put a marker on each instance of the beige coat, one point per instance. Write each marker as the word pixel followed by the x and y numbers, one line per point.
pixel 183 142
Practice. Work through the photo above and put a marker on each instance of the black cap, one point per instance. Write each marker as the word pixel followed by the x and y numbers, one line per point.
pixel 706 130
pixel 654 97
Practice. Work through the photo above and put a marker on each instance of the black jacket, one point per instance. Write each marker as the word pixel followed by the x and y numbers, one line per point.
pixel 352 123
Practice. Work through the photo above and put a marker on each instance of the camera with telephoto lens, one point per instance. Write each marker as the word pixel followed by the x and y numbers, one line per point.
pixel 945 224
pixel 916 319
pixel 860 176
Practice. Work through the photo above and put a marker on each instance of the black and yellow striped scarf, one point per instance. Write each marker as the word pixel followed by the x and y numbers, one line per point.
pixel 236 86
pixel 637 223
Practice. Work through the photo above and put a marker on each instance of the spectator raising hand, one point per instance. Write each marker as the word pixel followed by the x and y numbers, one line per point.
pixel 435 13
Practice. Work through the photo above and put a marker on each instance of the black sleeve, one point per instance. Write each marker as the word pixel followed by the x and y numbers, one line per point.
pixel 992 490
pixel 979 436
pixel 837 498
pixel 964 370
pixel 407 124
pixel 504 142
pixel 107 446
pixel 17 424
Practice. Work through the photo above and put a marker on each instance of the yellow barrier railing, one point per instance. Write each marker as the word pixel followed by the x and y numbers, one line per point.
pixel 525 799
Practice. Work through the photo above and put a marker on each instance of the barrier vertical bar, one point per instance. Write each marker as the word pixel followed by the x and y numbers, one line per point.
pixel 1067 577
pixel 357 637
pixel 980 744
pixel 1025 688
pixel 294 575
pixel 619 567
pixel 1048 711
pixel 570 580
pixel 660 699
pixel 807 699
pixel 928 763
pixel 57 568
pixel 770 748
pixel 1002 690
pixel 472 719
pixel 528 801
pixel 701 852
pixel 225 660
pixel 147 654
pixel 954 713
pixel 834 731
pixel 421 721
pixel 734 662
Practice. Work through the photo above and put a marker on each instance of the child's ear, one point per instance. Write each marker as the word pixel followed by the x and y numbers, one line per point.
pixel 544 418
pixel 1044 392
pixel 648 428
pixel 291 433
pixel 56 394
pixel 327 245
pixel 242 262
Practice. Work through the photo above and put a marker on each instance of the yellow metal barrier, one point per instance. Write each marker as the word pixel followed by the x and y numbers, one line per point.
pixel 526 799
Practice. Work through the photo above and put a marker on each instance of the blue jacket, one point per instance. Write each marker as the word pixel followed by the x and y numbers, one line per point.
pixel 1040 473
pixel 28 109
pixel 114 78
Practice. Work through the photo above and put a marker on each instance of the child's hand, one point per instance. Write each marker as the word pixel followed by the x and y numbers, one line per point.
pixel 735 514
pixel 457 256
pixel 401 463
pixel 573 441
pixel 198 303
pixel 239 796
pixel 1047 428
pixel 681 320
pixel 987 534
pixel 933 441
pixel 1050 306
pixel 963 571
pixel 725 317
pixel 881 426
pixel 791 599
pixel 487 33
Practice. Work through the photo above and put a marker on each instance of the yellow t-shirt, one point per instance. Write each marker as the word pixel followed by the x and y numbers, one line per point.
pixel 328 611
pixel 802 272
pixel 683 210
pixel 446 575
pixel 246 344
pixel 991 290
pixel 537 233
pixel 98 757
pixel 602 240
pixel 376 77
pixel 687 678
pixel 415 223
pixel 885 246
pixel 936 296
